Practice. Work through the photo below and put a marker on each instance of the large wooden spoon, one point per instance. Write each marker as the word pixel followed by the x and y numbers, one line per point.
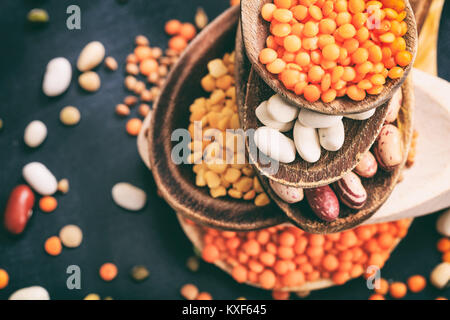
pixel 378 187
pixel 255 31
pixel 177 182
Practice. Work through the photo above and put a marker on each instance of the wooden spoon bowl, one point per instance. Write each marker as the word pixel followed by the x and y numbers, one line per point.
pixel 255 31
pixel 194 233
pixel 378 187
pixel 359 137
pixel 177 182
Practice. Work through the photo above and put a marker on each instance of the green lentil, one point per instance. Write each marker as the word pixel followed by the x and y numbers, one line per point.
pixel 38 16
pixel 193 263
pixel 139 273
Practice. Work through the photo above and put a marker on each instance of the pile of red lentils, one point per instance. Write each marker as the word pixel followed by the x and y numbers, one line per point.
pixel 327 49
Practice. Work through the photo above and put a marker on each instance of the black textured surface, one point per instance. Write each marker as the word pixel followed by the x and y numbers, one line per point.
pixel 97 153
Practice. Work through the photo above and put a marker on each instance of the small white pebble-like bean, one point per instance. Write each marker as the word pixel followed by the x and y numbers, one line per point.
pixel 443 223
pixel 128 196
pixel 313 119
pixel 332 138
pixel 30 293
pixel 307 142
pixel 280 110
pixel 40 178
pixel 287 193
pixel 217 68
pixel 35 133
pixel 71 236
pixel 57 77
pixel 362 115
pixel 265 118
pixel 63 185
pixel 275 144
pixel 70 116
pixel 440 276
pixel 91 56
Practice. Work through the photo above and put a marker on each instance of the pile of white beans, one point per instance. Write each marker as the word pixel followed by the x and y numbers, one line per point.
pixel 311 130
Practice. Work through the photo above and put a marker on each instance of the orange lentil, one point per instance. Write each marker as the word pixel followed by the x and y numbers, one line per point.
pixel 267 11
pixel 204 296
pixel 267 55
pixel 277 66
pixel 148 66
pixel 443 245
pixel 377 296
pixel 383 287
pixel 397 290
pixel 267 279
pixel 285 4
pixel 281 29
pixel 177 43
pixel 311 29
pixel 416 283
pixel 396 73
pixel 143 52
pixel 283 15
pixel 331 52
pixel 187 31
pixel 330 263
pixel 53 246
pixel 133 126
pixel 403 58
pixel 210 253
pixel 446 257
pixel 108 271
pixel 239 273
pixel 48 204
pixel 293 278
pixel 340 277
pixel 172 27
pixel 4 278
pixel 280 295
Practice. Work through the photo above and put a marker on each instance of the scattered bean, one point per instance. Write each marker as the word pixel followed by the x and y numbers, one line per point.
pixel 332 138
pixel 307 142
pixel 111 63
pixel 19 209
pixel 91 56
pixel 71 236
pixel 139 273
pixel 57 77
pixel 63 186
pixel 313 119
pixel 30 293
pixel 274 144
pixel 89 81
pixel 201 19
pixel 122 110
pixel 40 178
pixel 440 276
pixel 394 106
pixel 70 116
pixel 38 16
pixel 280 110
pixel 443 223
pixel 35 133
pixel 189 291
pixel 388 149
pixel 144 110
pixel 362 115
pixel 193 264
pixel 128 196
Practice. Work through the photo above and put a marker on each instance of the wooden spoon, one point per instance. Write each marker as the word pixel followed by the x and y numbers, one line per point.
pixel 171 111
pixel 255 31
pixel 359 137
pixel 194 233
pixel 378 187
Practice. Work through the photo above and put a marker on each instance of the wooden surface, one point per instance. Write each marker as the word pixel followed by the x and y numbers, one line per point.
pixel 255 31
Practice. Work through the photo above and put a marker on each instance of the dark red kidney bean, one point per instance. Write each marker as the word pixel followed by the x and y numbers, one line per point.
pixel 18 209
pixel 367 167
pixel 323 202
pixel 350 191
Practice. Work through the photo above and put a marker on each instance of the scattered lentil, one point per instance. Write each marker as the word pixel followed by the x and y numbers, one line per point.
pixel 53 246
pixel 70 116
pixel 108 271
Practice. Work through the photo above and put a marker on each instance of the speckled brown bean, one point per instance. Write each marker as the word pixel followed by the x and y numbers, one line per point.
pixel 388 149
pixel 367 167
pixel 323 202
pixel 350 191
pixel 394 106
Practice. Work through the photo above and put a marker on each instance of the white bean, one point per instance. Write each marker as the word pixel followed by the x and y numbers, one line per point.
pixel 91 56
pixel 362 115
pixel 307 142
pixel 440 276
pixel 30 293
pixel 40 178
pixel 35 133
pixel 280 110
pixel 128 196
pixel 267 120
pixel 313 119
pixel 275 144
pixel 443 224
pixel 286 193
pixel 332 138
pixel 58 75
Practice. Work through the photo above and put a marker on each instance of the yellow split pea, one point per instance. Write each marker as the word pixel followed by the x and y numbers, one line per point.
pixel 211 117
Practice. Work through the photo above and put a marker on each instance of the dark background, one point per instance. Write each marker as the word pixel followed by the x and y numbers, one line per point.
pixel 97 153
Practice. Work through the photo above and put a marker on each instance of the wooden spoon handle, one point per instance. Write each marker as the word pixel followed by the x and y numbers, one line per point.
pixel 426 186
